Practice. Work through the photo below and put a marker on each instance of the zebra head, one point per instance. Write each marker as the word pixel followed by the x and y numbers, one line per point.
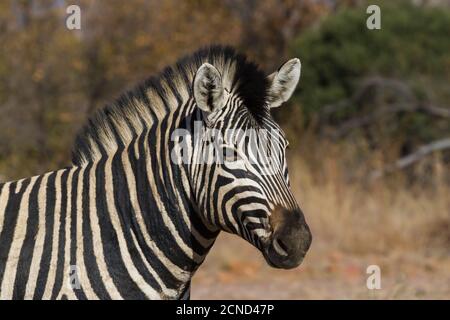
pixel 245 189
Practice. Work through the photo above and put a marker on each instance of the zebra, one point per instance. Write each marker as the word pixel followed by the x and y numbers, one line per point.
pixel 127 219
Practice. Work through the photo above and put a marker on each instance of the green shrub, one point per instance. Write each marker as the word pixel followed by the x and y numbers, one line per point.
pixel 412 46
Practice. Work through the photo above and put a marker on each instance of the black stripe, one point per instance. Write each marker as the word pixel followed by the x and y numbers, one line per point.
pixel 143 189
pixel 125 210
pixel 113 259
pixel 79 293
pixel 48 241
pixel 59 276
pixel 89 255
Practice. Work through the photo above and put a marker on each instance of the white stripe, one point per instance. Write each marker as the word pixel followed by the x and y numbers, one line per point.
pixel 97 241
pixel 66 288
pixel 55 239
pixel 9 276
pixel 4 196
pixel 19 185
pixel 40 238
pixel 83 276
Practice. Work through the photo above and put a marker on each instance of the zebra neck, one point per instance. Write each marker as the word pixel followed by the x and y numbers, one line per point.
pixel 156 198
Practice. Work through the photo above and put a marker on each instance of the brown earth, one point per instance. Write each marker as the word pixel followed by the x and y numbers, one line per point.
pixel 236 270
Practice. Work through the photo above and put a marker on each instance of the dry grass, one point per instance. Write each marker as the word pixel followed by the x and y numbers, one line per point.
pixel 377 218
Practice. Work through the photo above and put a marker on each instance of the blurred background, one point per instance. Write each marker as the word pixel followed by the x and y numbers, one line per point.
pixel 369 124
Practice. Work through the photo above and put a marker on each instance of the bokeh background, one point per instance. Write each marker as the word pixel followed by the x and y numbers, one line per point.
pixel 369 124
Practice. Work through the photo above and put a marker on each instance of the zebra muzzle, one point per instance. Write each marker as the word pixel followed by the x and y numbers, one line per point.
pixel 291 239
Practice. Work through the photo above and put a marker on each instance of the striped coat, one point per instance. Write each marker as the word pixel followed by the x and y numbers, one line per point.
pixel 128 221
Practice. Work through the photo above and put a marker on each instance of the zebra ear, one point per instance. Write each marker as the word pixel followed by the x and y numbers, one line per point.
pixel 208 89
pixel 283 82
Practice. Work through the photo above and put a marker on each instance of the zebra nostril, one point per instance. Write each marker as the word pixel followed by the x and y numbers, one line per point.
pixel 280 247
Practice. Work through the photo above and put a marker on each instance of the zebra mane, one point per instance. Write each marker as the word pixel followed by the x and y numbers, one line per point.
pixel 138 109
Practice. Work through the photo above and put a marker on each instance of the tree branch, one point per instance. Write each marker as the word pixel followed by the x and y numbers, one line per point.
pixel 406 161
pixel 408 103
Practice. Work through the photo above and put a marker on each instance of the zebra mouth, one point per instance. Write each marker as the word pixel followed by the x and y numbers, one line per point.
pixel 279 255
pixel 280 247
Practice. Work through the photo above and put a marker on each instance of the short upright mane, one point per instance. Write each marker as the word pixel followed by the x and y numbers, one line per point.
pixel 135 111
